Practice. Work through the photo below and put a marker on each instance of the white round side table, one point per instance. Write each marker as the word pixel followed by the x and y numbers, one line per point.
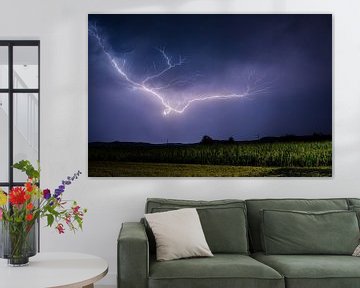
pixel 50 270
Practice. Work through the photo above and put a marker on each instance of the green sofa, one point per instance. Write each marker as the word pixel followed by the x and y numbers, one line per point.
pixel 233 230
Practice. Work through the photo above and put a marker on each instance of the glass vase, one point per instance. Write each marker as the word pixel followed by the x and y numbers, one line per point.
pixel 18 242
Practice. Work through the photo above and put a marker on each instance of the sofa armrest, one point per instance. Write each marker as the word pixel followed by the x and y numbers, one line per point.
pixel 133 256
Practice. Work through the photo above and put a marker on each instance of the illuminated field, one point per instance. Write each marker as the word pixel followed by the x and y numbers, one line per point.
pixel 133 169
pixel 294 159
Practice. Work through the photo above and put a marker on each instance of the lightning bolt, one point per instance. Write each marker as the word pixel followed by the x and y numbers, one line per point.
pixel 259 86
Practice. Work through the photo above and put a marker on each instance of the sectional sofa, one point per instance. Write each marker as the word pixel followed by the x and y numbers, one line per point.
pixel 262 243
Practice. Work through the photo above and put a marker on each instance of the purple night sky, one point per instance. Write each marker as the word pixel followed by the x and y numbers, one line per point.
pixel 283 61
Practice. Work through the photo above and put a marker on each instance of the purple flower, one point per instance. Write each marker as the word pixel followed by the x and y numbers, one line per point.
pixel 64 183
pixel 46 194
pixel 58 192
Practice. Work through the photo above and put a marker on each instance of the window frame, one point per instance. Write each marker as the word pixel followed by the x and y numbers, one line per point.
pixel 10 91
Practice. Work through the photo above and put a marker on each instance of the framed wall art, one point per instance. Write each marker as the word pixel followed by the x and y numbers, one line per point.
pixel 240 95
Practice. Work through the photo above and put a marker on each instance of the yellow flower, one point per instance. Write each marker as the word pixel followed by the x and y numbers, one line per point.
pixel 3 198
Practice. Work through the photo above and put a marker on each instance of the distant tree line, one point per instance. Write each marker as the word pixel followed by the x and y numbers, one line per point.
pixel 206 139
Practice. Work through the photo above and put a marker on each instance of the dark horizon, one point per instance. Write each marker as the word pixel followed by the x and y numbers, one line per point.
pixel 312 137
pixel 292 54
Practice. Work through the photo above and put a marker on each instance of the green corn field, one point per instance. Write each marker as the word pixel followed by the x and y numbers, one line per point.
pixel 274 154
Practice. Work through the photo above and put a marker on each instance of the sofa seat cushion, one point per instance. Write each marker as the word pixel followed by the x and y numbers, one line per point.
pixel 314 271
pixel 222 270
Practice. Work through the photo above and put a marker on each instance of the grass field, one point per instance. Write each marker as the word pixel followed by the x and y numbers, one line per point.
pixel 240 159
pixel 133 169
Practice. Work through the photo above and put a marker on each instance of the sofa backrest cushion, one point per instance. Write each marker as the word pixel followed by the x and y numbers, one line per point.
pixel 223 221
pixel 256 205
pixel 298 232
pixel 354 205
pixel 353 201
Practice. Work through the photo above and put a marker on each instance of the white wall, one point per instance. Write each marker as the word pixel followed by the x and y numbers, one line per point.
pixel 61 26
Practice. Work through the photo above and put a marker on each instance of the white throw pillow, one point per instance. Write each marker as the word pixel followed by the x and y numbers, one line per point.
pixel 357 251
pixel 178 234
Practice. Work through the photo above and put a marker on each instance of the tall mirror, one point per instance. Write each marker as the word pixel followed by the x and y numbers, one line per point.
pixel 19 108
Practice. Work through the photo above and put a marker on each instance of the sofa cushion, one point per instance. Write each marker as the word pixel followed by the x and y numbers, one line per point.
pixel 354 205
pixel 254 206
pixel 222 270
pixel 314 271
pixel 297 232
pixel 353 201
pixel 223 221
pixel 178 234
pixel 356 209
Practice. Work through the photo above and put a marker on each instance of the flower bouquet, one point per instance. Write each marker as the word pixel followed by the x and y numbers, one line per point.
pixel 21 208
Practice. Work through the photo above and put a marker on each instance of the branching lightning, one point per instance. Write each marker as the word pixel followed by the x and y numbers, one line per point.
pixel 257 86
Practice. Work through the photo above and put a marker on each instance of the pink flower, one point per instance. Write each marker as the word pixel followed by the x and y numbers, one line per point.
pixel 60 228
pixel 68 219
pixel 1 214
pixel 75 209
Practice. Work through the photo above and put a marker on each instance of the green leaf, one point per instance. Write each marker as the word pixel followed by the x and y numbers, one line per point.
pixel 53 211
pixel 79 221
pixel 26 167
pixel 50 219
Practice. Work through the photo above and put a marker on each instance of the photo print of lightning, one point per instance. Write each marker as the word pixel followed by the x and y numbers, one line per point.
pixel 210 95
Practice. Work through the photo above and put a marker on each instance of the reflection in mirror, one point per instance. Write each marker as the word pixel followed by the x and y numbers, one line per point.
pixel 4 67
pixel 26 130
pixel 4 140
pixel 5 189
pixel 26 73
